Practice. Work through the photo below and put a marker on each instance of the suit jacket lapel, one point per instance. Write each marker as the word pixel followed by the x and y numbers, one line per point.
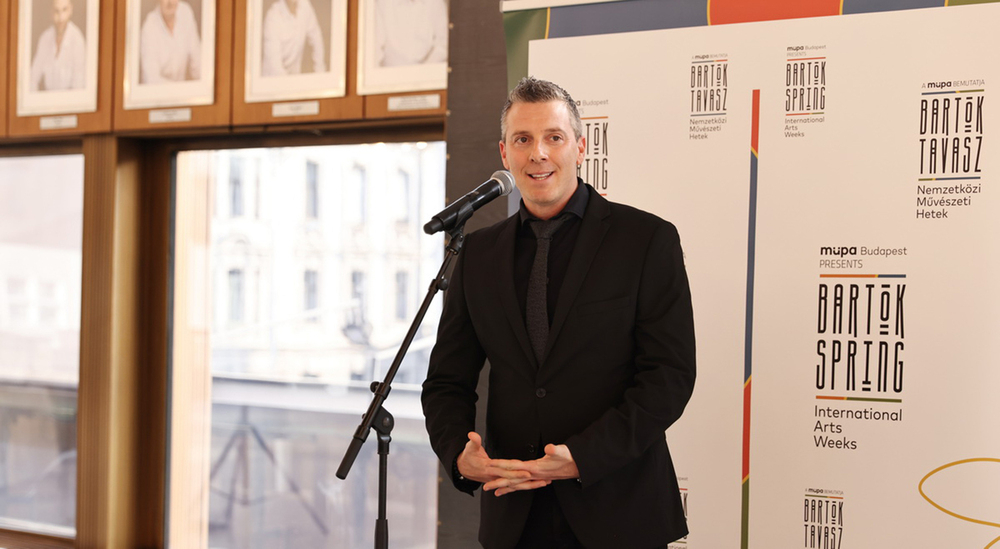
pixel 504 267
pixel 594 226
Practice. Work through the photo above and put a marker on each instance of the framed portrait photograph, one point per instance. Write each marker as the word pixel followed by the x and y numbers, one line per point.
pixel 57 56
pixel 402 46
pixel 295 49
pixel 169 53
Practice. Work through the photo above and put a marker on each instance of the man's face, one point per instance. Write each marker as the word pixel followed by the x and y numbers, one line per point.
pixel 62 10
pixel 168 8
pixel 542 152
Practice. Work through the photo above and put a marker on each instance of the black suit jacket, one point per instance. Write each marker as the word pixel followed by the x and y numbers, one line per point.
pixel 619 370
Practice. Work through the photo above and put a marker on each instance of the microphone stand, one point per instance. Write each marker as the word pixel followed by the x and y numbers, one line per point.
pixel 377 417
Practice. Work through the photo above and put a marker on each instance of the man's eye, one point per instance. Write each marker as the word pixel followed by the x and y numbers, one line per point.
pixel 521 140
pixel 557 138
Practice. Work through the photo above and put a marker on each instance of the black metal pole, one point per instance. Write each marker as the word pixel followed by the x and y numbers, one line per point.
pixel 377 417
pixel 383 426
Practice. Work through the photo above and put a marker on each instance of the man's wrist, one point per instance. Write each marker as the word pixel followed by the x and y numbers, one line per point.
pixel 466 485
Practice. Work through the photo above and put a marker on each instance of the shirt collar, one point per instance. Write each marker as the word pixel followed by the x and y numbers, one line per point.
pixel 577 204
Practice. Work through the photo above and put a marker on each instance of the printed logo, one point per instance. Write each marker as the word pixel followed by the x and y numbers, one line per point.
pixel 861 343
pixel 822 519
pixel 805 86
pixel 682 543
pixel 709 87
pixel 951 143
pixel 805 89
pixel 595 168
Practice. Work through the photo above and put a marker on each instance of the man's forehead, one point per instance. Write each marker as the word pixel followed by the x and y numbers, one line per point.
pixel 524 116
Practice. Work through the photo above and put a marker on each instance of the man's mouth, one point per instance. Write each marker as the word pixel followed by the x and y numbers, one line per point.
pixel 540 175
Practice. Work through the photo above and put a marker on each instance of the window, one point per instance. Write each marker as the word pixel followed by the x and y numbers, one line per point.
pixel 402 298
pixel 16 287
pixel 256 189
pixel 357 181
pixel 289 384
pixel 358 292
pixel 311 295
pixel 235 186
pixel 236 295
pixel 312 190
pixel 401 196
pixel 41 232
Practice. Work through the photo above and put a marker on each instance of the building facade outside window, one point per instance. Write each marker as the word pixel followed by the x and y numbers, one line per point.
pixel 41 233
pixel 324 302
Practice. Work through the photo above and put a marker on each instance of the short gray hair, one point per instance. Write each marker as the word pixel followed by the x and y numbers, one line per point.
pixel 534 90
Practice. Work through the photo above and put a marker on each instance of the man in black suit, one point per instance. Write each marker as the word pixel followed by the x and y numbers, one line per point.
pixel 583 309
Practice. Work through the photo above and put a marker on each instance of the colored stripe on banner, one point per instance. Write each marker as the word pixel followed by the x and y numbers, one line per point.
pixel 953 91
pixel 748 343
pixel 721 12
pixel 859 399
pixel 862 276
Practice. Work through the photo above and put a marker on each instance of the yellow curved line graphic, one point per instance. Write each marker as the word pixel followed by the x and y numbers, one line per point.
pixel 708 12
pixel 920 488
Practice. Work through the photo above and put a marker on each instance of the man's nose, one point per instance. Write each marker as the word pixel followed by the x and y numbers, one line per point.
pixel 539 153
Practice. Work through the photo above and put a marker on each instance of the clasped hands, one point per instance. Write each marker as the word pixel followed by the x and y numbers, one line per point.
pixel 510 475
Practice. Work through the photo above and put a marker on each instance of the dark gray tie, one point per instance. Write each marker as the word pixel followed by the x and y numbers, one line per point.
pixel 536 307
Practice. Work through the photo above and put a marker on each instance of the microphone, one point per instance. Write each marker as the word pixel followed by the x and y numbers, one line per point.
pixel 459 211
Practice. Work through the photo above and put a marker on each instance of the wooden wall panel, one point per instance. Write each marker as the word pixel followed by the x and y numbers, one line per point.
pixel 405 104
pixel 109 391
pixel 155 276
pixel 20 540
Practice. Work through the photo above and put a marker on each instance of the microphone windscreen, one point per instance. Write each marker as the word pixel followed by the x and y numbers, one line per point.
pixel 506 180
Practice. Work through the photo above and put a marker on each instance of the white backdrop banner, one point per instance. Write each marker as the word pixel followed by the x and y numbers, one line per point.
pixel 852 219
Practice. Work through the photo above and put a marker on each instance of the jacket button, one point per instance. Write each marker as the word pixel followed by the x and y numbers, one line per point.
pixel 531 450
pixel 540 393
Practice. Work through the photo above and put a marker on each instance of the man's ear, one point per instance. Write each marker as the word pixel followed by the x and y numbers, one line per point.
pixel 503 155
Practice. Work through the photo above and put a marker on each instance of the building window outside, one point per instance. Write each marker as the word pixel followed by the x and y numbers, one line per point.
pixel 401 196
pixel 256 189
pixel 236 298
pixel 235 186
pixel 402 296
pixel 311 295
pixel 312 190
pixel 356 188
pixel 16 287
pixel 358 295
